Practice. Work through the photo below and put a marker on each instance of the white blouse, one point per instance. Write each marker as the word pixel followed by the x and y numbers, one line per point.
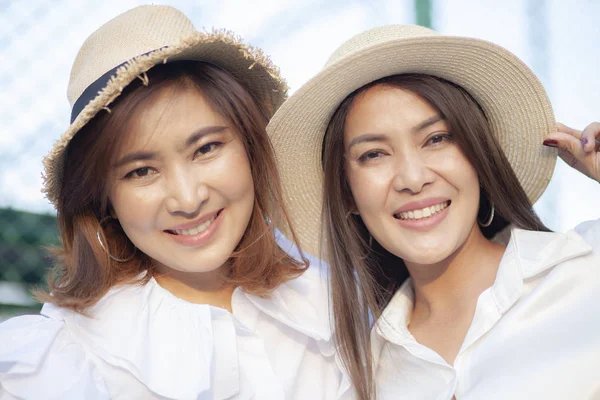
pixel 142 342
pixel 535 333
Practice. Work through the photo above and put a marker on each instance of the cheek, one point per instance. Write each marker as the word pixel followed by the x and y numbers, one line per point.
pixel 232 174
pixel 458 171
pixel 369 186
pixel 133 206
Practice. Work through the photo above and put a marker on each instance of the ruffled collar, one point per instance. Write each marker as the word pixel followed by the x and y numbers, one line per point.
pixel 193 346
pixel 528 254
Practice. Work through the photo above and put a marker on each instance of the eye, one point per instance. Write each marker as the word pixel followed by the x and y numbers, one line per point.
pixel 208 148
pixel 370 155
pixel 439 138
pixel 140 173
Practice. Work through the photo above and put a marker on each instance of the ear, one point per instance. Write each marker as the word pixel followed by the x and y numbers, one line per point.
pixel 111 211
pixel 349 200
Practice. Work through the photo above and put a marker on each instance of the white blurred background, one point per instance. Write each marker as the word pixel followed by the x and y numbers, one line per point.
pixel 39 40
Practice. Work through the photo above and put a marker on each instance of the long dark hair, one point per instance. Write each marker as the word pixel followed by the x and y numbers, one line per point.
pixel 365 276
pixel 84 272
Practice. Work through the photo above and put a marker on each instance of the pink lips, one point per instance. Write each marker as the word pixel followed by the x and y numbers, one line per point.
pixel 200 238
pixel 197 222
pixel 417 205
pixel 423 224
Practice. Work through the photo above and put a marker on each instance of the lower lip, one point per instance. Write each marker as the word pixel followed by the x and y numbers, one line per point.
pixel 424 224
pixel 200 238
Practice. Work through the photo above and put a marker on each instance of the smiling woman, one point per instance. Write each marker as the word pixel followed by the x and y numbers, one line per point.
pixel 424 149
pixel 177 183
pixel 169 282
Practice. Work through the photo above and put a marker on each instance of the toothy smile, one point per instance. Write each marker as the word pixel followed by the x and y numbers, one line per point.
pixel 191 229
pixel 197 229
pixel 422 213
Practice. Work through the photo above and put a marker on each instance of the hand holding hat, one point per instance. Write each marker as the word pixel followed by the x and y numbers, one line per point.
pixel 579 149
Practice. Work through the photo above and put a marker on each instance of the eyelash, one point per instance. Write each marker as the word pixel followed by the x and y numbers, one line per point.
pixel 210 147
pixel 443 136
pixel 365 157
pixel 130 175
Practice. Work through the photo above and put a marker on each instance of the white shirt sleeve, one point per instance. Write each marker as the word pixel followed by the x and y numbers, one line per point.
pixel 37 353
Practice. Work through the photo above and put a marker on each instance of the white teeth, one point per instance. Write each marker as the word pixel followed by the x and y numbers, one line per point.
pixel 424 212
pixel 197 229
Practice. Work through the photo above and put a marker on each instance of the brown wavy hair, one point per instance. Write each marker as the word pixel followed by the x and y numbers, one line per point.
pixel 365 276
pixel 84 272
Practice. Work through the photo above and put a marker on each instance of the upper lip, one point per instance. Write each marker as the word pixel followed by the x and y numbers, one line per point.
pixel 195 222
pixel 417 205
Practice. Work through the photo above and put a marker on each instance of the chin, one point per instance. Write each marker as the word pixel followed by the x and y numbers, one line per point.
pixel 205 264
pixel 191 265
pixel 424 256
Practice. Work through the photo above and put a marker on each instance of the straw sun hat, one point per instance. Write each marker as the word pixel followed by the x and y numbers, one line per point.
pixel 125 48
pixel 514 101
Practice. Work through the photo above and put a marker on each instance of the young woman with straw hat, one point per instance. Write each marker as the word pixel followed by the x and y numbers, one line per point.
pixel 416 149
pixel 169 282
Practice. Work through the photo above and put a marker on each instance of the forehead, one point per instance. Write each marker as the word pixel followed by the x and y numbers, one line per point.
pixel 168 116
pixel 383 107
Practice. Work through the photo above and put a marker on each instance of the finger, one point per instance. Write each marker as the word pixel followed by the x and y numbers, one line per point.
pixel 566 142
pixel 565 129
pixel 573 162
pixel 589 135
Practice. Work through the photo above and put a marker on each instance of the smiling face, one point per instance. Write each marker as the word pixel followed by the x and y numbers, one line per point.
pixel 416 192
pixel 181 185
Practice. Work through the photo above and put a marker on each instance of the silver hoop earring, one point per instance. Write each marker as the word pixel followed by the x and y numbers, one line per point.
pixel 99 237
pixel 489 221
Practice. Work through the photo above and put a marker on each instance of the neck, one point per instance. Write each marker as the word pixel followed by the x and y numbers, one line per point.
pixel 450 288
pixel 196 287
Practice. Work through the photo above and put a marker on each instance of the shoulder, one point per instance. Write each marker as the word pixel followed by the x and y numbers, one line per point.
pixel 137 336
pixel 39 358
pixel 590 232
pixel 301 303
pixel 552 258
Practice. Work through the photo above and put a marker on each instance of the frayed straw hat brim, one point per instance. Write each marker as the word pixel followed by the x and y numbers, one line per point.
pixel 222 48
pixel 513 99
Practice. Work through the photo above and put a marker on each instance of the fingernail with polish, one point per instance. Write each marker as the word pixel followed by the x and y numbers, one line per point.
pixel 584 141
pixel 550 143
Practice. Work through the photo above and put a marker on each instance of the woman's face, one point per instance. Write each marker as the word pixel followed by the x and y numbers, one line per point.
pixel 414 189
pixel 181 186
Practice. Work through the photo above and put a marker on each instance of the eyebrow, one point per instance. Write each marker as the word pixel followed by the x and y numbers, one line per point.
pixel 148 155
pixel 427 123
pixel 367 137
pixel 200 133
pixel 374 137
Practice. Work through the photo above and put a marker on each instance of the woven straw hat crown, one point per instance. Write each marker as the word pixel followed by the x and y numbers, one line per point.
pixel 131 34
pixel 126 47
pixel 373 37
pixel 514 101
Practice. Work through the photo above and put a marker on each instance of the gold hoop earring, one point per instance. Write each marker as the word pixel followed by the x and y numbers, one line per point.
pixel 99 237
pixel 490 219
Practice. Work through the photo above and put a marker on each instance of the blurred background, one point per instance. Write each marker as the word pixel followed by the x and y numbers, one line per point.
pixel 40 38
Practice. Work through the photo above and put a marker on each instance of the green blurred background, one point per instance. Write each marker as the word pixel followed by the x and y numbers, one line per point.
pixel 24 239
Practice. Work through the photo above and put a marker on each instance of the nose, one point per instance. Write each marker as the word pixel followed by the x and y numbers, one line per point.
pixel 187 192
pixel 411 173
